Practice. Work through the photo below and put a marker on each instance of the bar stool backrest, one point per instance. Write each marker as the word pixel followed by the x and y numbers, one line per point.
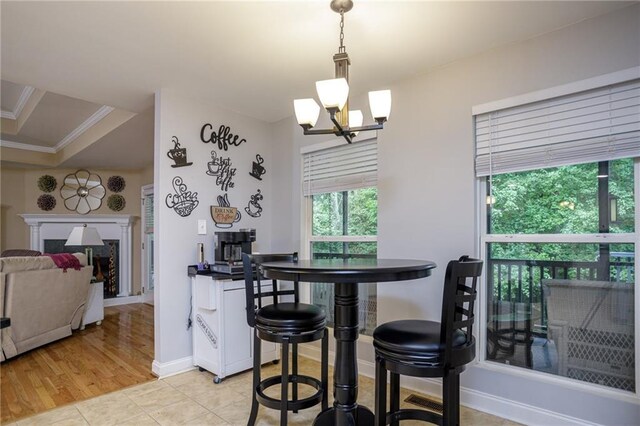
pixel 255 297
pixel 458 302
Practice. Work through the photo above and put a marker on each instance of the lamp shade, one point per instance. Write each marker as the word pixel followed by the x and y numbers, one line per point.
pixel 84 236
pixel 333 93
pixel 380 103
pixel 307 111
pixel 355 119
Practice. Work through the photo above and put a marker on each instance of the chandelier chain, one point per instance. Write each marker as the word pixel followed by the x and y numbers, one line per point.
pixel 342 48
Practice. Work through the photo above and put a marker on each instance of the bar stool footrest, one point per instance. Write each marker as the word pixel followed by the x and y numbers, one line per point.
pixel 299 404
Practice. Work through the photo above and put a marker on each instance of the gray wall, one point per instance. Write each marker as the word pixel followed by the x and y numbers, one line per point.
pixel 426 186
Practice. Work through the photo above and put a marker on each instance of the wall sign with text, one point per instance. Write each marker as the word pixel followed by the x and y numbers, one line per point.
pixel 224 138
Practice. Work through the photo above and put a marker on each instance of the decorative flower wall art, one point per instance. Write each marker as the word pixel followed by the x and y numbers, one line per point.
pixel 46 202
pixel 116 183
pixel 182 201
pixel 82 191
pixel 47 183
pixel 116 202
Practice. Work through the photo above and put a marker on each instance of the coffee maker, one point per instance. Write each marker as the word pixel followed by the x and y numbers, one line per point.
pixel 229 247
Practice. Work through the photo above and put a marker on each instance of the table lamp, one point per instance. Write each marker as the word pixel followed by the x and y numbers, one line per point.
pixel 85 236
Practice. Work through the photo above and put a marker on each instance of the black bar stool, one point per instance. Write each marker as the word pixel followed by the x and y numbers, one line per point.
pixel 286 323
pixel 430 349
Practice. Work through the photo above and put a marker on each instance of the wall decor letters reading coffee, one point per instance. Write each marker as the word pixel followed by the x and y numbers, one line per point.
pixel 223 138
pixel 221 168
pixel 183 201
pixel 223 215
pixel 258 169
pixel 177 154
pixel 254 209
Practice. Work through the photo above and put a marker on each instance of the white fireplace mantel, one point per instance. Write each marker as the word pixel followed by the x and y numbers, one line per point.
pixel 110 227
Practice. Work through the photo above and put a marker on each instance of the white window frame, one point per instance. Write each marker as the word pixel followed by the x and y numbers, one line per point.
pixel 485 238
pixel 306 225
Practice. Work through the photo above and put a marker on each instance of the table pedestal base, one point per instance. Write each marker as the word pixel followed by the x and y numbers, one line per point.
pixel 331 417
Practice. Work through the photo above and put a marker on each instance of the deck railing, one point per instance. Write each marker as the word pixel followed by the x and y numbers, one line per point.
pixel 519 281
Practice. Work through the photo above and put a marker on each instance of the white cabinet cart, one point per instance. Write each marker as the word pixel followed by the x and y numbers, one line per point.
pixel 222 340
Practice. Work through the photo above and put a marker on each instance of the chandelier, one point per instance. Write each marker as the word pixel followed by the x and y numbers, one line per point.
pixel 334 96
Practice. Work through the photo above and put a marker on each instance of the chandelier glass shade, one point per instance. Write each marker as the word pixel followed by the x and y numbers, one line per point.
pixel 334 96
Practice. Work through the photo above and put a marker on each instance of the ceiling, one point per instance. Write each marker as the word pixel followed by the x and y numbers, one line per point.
pixel 250 57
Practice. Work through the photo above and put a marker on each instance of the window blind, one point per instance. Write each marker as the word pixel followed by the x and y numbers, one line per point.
pixel 589 126
pixel 148 214
pixel 340 168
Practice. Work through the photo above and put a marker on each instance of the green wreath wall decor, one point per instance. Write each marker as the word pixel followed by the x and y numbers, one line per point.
pixel 116 202
pixel 47 183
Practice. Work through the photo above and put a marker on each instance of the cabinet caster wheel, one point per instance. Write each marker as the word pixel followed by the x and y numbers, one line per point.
pixel 276 361
pixel 200 369
pixel 99 322
pixel 217 380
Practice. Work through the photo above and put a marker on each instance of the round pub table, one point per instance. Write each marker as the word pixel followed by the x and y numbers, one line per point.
pixel 345 275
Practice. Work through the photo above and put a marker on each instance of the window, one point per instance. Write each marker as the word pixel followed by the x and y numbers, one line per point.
pixel 339 182
pixel 560 258
pixel 344 226
pixel 559 233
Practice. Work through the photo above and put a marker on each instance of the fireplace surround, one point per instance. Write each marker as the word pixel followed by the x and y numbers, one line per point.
pixel 110 227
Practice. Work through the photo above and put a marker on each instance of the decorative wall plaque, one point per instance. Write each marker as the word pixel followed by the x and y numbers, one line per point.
pixel 46 202
pixel 182 201
pixel 116 202
pixel 223 215
pixel 254 209
pixel 47 183
pixel 82 191
pixel 178 154
pixel 116 183
pixel 222 170
pixel 224 138
pixel 258 169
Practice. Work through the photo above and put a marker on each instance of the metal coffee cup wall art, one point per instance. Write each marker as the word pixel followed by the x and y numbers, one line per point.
pixel 258 169
pixel 223 215
pixel 182 201
pixel 178 154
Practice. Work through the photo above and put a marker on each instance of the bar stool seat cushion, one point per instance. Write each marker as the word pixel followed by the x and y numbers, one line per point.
pixel 414 337
pixel 290 317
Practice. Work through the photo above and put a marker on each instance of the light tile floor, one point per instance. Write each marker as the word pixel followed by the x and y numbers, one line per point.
pixel 192 398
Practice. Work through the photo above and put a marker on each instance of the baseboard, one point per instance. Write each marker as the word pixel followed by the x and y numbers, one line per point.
pixel 481 401
pixel 171 368
pixel 123 300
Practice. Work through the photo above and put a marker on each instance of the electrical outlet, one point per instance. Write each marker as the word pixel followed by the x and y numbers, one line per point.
pixel 202 227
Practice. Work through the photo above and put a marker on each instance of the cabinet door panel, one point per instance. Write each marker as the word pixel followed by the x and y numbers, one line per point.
pixel 237 346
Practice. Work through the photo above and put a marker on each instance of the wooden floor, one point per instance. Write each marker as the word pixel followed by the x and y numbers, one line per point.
pixel 98 360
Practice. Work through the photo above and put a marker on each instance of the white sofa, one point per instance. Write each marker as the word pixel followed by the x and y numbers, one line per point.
pixel 43 301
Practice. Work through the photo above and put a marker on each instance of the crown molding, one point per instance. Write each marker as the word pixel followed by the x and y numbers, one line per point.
pixel 23 99
pixel 7 114
pixel 27 147
pixel 27 91
pixel 86 125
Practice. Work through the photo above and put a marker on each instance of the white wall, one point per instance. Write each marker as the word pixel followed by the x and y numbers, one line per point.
pixel 176 236
pixel 427 194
